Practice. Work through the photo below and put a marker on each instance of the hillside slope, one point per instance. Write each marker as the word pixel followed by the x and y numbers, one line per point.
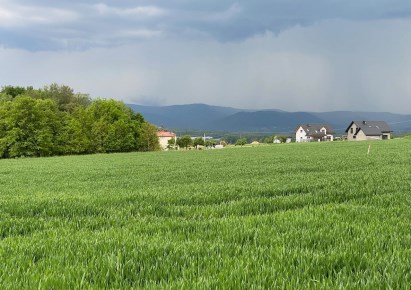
pixel 205 117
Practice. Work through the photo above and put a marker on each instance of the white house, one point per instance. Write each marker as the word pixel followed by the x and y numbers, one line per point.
pixel 163 137
pixel 368 130
pixel 313 132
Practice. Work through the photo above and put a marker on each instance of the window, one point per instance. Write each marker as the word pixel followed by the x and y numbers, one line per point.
pixel 301 130
pixel 352 130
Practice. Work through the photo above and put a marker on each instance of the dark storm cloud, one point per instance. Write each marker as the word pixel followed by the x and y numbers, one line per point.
pixel 288 54
pixel 50 25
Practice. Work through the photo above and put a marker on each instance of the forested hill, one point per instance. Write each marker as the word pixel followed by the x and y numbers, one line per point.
pixel 56 121
pixel 204 117
pixel 192 116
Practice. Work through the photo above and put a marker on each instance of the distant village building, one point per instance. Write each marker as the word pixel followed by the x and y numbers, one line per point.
pixel 163 137
pixel 313 132
pixel 368 130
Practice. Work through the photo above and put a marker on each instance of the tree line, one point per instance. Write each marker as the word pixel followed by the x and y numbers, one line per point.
pixel 234 137
pixel 56 121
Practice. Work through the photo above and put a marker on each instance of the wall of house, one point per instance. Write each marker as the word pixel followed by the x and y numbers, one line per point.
pixel 300 135
pixel 386 136
pixel 164 141
pixel 361 136
pixel 350 134
pixel 329 137
pixel 374 137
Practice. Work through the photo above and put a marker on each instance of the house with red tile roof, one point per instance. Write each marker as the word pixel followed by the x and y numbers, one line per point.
pixel 164 137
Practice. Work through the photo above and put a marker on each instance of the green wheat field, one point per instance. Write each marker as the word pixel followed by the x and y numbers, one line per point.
pixel 322 215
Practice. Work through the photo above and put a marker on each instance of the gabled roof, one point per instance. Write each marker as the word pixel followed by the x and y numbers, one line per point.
pixel 165 134
pixel 371 128
pixel 311 129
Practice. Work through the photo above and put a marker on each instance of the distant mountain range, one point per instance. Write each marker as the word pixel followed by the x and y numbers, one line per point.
pixel 215 118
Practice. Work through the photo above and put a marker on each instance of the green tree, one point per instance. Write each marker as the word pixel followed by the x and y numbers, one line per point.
pixel 283 139
pixel 241 141
pixel 211 142
pixel 268 139
pixel 77 138
pixel 29 128
pixel 14 91
pixel 120 136
pixel 171 143
pixel 63 95
pixel 54 120
pixel 184 141
pixel 198 141
pixel 114 127
pixel 5 127
pixel 148 140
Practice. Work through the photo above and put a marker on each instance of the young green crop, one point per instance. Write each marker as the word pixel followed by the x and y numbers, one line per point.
pixel 323 215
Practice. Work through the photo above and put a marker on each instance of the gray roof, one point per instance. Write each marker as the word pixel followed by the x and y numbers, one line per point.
pixel 371 128
pixel 312 129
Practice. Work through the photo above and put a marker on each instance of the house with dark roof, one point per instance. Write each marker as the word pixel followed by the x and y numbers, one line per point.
pixel 368 130
pixel 313 132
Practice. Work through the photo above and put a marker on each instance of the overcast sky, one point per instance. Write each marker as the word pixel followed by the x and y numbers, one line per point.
pixel 295 55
